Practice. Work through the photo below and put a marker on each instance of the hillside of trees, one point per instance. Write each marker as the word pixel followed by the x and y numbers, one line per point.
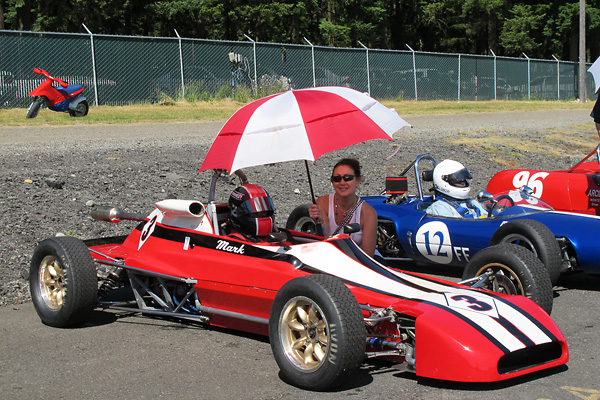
pixel 508 28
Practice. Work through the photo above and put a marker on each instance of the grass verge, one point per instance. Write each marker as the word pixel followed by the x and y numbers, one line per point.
pixel 183 111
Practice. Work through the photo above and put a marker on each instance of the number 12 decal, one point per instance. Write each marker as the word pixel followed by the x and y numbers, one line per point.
pixel 439 236
pixel 433 242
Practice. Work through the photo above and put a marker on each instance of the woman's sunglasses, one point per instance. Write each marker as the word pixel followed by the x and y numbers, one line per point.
pixel 338 178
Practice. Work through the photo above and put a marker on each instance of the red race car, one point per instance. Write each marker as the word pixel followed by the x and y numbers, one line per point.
pixel 576 189
pixel 324 303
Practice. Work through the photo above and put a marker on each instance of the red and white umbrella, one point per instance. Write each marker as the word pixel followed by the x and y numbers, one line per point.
pixel 299 125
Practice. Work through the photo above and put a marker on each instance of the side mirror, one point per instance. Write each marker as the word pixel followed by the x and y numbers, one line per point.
pixel 352 228
pixel 278 237
pixel 427 175
pixel 484 196
pixel 527 191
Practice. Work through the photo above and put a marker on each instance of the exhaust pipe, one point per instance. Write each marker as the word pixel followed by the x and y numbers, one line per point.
pixel 115 215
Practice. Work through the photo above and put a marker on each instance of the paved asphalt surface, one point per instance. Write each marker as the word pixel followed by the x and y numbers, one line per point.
pixel 127 356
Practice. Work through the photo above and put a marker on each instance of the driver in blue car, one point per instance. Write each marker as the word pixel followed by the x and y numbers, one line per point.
pixel 452 191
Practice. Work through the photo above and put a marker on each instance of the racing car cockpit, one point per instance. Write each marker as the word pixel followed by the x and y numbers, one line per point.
pixel 251 214
pixel 248 214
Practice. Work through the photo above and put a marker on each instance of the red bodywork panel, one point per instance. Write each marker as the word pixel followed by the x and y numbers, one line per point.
pixel 574 190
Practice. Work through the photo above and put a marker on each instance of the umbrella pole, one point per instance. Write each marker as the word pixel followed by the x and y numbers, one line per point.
pixel 312 195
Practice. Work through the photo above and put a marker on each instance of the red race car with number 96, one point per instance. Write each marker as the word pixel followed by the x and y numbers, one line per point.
pixel 576 189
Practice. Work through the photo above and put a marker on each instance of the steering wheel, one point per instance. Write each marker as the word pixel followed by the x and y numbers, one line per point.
pixel 495 203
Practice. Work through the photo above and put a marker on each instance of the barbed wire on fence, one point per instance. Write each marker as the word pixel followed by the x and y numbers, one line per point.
pixel 121 70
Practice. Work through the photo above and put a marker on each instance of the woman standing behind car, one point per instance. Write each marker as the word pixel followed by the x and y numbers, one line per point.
pixel 344 206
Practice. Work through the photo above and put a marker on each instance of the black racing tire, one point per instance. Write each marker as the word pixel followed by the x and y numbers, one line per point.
pixel 63 281
pixel 34 107
pixel 81 110
pixel 535 237
pixel 516 271
pixel 300 220
pixel 317 332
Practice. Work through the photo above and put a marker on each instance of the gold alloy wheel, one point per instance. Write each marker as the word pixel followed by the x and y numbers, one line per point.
pixel 503 279
pixel 52 282
pixel 304 333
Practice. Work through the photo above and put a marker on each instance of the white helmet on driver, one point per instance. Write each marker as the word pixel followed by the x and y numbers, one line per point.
pixel 450 178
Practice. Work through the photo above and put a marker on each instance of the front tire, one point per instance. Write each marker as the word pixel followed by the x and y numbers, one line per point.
pixel 535 237
pixel 300 220
pixel 512 270
pixel 81 110
pixel 63 281
pixel 34 107
pixel 317 332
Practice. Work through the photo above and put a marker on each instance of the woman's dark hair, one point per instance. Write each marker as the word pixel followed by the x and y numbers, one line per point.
pixel 349 162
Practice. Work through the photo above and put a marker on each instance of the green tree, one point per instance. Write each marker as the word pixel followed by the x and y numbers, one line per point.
pixel 522 31
pixel 507 27
pixel 344 23
pixel 464 26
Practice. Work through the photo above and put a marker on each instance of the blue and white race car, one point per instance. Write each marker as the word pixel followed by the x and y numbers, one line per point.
pixel 561 241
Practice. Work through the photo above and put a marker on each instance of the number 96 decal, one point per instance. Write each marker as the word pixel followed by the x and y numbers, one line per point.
pixel 535 181
pixel 433 242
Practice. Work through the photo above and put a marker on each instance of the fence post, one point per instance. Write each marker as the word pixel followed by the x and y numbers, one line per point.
pixel 255 86
pixel 181 65
pixel 313 62
pixel 458 78
pixel 93 65
pixel 414 71
pixel 368 73
pixel 528 78
pixel 557 78
pixel 495 76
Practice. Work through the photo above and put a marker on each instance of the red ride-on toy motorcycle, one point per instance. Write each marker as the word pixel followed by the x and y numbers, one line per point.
pixel 62 97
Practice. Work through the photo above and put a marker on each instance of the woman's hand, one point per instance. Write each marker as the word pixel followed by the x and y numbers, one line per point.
pixel 315 213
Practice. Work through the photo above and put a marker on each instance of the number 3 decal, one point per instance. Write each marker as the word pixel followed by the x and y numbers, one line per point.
pixel 474 304
pixel 147 230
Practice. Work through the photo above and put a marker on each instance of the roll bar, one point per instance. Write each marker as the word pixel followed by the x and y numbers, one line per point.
pixel 212 208
pixel 415 166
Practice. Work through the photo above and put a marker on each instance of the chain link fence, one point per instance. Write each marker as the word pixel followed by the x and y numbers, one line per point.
pixel 121 70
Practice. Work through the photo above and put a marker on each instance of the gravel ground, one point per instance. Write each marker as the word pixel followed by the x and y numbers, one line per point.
pixel 51 177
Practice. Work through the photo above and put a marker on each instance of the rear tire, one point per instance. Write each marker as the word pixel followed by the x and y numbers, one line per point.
pixel 34 107
pixel 535 237
pixel 63 281
pixel 515 271
pixel 81 110
pixel 317 332
pixel 300 220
